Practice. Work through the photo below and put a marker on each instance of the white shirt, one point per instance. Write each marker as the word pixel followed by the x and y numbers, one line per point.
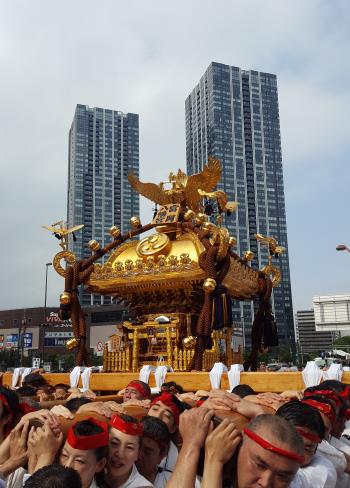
pixel 135 480
pixel 320 473
pixel 338 460
pixel 170 459
pixel 340 444
pixel 161 479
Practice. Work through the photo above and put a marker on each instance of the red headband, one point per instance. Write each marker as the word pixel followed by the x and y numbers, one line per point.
pixel 130 428
pixel 168 400
pixel 328 394
pixel 322 407
pixel 86 442
pixel 270 447
pixel 345 393
pixel 308 435
pixel 8 411
pixel 135 384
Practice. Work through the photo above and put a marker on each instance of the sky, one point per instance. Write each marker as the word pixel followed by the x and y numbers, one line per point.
pixel 145 57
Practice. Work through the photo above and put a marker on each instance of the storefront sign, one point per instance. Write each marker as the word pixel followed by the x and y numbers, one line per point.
pixel 11 341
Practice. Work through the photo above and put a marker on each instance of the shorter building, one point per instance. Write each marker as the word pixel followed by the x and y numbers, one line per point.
pixel 39 332
pixel 332 313
pixel 309 340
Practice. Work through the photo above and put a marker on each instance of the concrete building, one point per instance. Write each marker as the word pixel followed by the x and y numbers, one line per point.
pixel 332 313
pixel 103 149
pixel 233 115
pixel 41 332
pixel 310 341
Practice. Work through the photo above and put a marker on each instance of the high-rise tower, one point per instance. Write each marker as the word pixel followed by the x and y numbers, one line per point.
pixel 103 149
pixel 233 115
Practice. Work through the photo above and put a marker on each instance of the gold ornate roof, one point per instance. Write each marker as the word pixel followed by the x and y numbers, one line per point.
pixel 155 263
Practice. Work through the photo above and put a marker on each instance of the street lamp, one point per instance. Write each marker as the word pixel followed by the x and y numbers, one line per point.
pixel 43 328
pixel 342 247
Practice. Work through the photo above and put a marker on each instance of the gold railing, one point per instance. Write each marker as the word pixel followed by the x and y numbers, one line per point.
pixel 117 361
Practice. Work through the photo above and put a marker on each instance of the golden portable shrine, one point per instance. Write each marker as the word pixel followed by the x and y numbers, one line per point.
pixel 178 282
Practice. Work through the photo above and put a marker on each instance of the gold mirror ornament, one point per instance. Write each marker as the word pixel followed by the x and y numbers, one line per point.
pixel 189 342
pixel 93 245
pixel 209 285
pixel 135 222
pixel 65 298
pixel 72 344
pixel 114 231
pixel 154 245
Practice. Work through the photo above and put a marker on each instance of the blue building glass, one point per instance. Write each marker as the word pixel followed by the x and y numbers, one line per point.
pixel 233 115
pixel 103 149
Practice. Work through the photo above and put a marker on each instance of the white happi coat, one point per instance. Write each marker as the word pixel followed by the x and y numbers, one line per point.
pixel 320 473
pixel 338 460
pixel 136 480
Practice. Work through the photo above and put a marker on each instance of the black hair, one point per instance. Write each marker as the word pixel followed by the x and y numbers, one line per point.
pixel 157 430
pixel 86 428
pixel 323 399
pixel 128 418
pixel 34 379
pixel 54 476
pixel 302 415
pixel 12 406
pixel 243 390
pixel 74 403
pixel 172 387
pixel 182 406
pixel 62 386
pixel 334 385
pixel 26 390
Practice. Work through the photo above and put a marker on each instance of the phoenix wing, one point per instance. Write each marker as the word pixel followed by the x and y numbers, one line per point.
pixel 149 190
pixel 48 227
pixel 206 180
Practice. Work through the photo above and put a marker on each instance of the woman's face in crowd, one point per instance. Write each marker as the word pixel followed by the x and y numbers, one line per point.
pixel 123 451
pixel 163 412
pixel 84 462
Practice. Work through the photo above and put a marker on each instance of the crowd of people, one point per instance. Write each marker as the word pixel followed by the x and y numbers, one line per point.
pixel 58 437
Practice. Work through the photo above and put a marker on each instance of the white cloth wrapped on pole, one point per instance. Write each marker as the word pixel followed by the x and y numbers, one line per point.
pixel 85 379
pixel 145 372
pixel 17 372
pixel 160 375
pixel 334 372
pixel 311 374
pixel 216 373
pixel 234 375
pixel 74 377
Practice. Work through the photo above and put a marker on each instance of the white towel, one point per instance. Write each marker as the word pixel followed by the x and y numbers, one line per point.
pixel 145 372
pixel 85 379
pixel 234 375
pixel 74 377
pixel 215 374
pixel 312 374
pixel 160 375
pixel 15 376
pixel 334 372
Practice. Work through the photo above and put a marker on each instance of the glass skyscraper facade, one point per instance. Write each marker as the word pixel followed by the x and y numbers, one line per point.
pixel 233 115
pixel 103 149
